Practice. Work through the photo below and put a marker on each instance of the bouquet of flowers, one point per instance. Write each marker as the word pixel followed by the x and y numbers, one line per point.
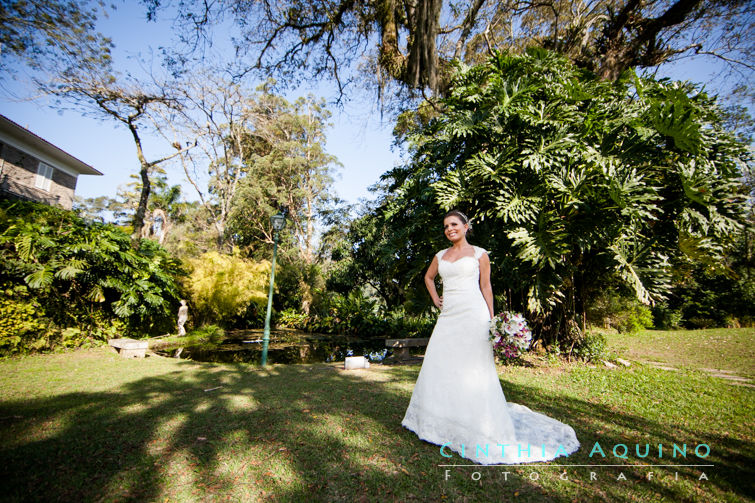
pixel 510 334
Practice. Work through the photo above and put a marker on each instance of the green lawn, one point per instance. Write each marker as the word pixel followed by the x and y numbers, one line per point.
pixel 713 348
pixel 90 426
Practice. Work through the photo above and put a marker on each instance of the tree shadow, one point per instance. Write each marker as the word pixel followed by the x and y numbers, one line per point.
pixel 285 433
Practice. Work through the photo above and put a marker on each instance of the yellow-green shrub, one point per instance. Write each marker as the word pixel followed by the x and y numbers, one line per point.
pixel 22 320
pixel 224 286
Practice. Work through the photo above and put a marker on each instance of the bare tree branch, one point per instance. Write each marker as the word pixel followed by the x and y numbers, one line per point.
pixel 468 24
pixel 722 57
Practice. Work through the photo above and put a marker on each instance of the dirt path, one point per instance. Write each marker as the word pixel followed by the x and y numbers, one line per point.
pixel 723 374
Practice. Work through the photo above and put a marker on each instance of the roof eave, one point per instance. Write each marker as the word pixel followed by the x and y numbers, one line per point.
pixel 23 135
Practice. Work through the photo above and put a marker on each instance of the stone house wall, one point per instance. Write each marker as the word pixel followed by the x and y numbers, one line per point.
pixel 18 174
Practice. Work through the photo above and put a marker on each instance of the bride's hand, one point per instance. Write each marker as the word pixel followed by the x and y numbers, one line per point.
pixel 439 303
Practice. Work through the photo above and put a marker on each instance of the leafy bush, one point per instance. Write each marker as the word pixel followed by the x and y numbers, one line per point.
pixel 225 288
pixel 701 322
pixel 298 283
pixel 591 347
pixel 355 314
pixel 210 334
pixel 666 318
pixel 622 312
pixel 75 337
pixel 718 295
pixel 22 321
pixel 82 275
pixel 635 319
pixel 401 324
pixel 291 318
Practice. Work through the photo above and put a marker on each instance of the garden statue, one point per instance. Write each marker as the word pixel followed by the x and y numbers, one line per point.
pixel 183 315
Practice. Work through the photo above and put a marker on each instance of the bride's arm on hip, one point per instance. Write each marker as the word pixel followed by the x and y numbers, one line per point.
pixel 432 271
pixel 487 290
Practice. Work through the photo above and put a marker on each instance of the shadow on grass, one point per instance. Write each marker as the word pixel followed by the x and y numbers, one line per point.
pixel 299 433
pixel 288 433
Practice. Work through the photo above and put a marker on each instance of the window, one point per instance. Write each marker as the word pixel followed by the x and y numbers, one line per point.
pixel 44 176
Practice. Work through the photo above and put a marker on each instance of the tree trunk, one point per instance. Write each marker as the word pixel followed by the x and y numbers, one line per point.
pixel 220 233
pixel 643 49
pixel 141 209
pixel 422 63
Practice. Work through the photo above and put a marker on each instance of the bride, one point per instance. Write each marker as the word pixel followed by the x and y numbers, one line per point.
pixel 457 401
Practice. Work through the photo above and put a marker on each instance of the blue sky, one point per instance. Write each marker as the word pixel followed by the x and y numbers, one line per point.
pixel 360 142
pixel 358 138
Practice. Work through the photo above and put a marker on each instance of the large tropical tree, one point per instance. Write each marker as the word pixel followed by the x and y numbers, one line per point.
pixel 572 181
pixel 406 45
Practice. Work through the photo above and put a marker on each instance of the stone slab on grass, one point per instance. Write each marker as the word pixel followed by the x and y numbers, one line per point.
pixel 129 348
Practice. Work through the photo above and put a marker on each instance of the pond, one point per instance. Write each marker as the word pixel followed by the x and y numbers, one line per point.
pixel 286 346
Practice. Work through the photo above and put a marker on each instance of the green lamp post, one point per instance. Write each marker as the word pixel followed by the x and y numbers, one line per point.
pixel 279 222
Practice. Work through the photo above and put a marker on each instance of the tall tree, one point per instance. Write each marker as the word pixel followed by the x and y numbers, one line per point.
pixel 411 43
pixel 294 174
pixel 572 182
pixel 92 86
pixel 222 117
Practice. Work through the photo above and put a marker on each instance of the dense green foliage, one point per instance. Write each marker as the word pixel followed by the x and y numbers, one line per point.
pixel 21 319
pixel 289 170
pixel 573 184
pixel 591 347
pixel 79 279
pixel 722 296
pixel 610 309
pixel 356 314
pixel 391 245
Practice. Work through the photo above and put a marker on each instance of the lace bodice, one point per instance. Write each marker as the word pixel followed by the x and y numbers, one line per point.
pixel 462 275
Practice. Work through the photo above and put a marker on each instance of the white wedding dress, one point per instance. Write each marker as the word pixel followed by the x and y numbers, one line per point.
pixel 458 402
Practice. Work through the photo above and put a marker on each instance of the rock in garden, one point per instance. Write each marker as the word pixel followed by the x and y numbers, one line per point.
pixel 608 364
pixel 623 362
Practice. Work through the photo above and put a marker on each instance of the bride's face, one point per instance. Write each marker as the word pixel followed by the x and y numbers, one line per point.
pixel 454 228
